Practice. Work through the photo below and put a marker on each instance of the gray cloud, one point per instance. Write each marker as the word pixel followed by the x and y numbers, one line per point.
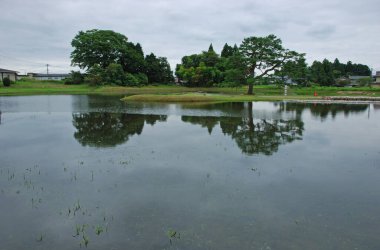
pixel 37 32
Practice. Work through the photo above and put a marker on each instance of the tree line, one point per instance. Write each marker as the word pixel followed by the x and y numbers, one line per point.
pixel 109 58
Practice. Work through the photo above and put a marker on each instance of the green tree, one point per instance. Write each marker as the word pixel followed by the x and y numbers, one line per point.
pixel 318 74
pixel 263 55
pixel 296 70
pixel 158 69
pixel 200 69
pixel 191 61
pixel 227 51
pixel 210 58
pixel 349 68
pixel 235 70
pixel 97 47
pixel 132 59
pixel 338 69
pixel 328 69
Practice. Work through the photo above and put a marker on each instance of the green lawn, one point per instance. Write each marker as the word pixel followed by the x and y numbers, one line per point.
pixel 172 93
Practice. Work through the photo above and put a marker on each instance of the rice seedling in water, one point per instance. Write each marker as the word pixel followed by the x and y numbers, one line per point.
pixel 78 229
pixel 40 238
pixel 85 240
pixel 172 234
pixel 99 230
pixel 76 207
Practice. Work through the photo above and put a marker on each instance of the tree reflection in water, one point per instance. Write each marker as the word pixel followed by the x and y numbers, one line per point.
pixel 254 136
pixel 253 132
pixel 104 129
pixel 322 110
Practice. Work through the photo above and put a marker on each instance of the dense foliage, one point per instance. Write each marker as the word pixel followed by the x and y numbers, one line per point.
pixel 256 58
pixel 210 69
pixel 328 73
pixel 263 60
pixel 109 58
pixel 75 77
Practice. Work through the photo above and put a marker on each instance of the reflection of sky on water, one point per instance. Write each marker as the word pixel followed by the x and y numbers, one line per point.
pixel 188 169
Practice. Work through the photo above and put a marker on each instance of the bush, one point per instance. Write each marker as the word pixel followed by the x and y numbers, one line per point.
pixel 95 76
pixel 114 74
pixel 142 78
pixel 365 81
pixel 131 80
pixel 7 82
pixel 75 78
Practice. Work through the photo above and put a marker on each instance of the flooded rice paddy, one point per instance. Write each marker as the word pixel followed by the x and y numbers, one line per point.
pixel 95 173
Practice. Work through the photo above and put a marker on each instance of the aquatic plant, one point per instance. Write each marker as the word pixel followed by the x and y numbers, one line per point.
pixel 99 230
pixel 85 240
pixel 40 238
pixel 172 234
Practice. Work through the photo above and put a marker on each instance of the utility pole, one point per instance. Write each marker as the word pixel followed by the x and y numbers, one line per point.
pixel 47 69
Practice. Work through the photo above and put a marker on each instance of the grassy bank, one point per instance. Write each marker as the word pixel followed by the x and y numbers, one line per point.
pixel 58 88
pixel 172 93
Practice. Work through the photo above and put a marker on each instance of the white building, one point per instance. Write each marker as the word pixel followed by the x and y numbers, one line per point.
pixel 11 74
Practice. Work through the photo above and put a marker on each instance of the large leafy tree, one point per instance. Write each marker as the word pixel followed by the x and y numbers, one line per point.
pixel 98 47
pixel 263 55
pixel 108 57
pixel 200 69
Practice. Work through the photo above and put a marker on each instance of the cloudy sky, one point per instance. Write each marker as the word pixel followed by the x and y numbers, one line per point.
pixel 36 32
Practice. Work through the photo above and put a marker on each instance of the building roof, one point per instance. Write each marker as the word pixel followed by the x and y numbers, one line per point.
pixel 378 73
pixel 50 75
pixel 7 71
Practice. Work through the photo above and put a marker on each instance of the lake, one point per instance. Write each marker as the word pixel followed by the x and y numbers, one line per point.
pixel 94 172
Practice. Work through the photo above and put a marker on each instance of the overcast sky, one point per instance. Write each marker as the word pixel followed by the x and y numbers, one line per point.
pixel 34 33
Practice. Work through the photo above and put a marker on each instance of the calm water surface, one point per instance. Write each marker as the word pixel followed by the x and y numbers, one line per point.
pixel 91 170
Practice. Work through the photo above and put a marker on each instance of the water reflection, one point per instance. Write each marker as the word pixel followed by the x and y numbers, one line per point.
pixel 103 129
pixel 322 110
pixel 255 131
pixel 186 173
pixel 254 136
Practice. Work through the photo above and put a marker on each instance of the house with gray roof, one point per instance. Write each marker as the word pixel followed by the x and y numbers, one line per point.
pixel 11 74
pixel 355 80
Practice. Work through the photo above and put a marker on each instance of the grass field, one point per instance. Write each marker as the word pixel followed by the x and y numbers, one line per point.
pixel 172 93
